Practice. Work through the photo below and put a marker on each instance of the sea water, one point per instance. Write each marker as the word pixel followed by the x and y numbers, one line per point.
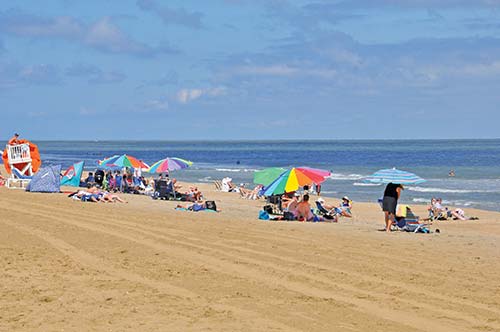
pixel 476 163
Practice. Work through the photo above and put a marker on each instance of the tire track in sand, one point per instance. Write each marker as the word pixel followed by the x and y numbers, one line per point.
pixel 93 262
pixel 362 305
pixel 195 243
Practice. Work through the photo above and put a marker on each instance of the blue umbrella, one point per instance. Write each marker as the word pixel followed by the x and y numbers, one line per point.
pixel 395 176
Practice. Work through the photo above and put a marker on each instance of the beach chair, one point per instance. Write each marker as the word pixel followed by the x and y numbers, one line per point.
pixel 407 221
pixel 18 180
pixel 218 185
pixel 163 190
pixel 328 214
pixel 275 202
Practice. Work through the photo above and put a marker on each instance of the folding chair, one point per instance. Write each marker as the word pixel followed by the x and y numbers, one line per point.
pixel 409 222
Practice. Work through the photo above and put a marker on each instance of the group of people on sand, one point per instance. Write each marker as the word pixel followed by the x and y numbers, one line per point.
pixel 128 180
pixel 439 212
pixel 94 194
pixel 436 209
pixel 298 207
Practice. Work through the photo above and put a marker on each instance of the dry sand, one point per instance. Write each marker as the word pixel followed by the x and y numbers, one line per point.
pixel 143 266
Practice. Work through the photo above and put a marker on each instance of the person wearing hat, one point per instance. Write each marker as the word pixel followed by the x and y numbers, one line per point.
pixel 345 207
pixel 389 202
pixel 14 140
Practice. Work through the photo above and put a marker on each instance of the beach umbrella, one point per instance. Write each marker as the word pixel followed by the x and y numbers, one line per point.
pixel 268 175
pixel 395 176
pixel 123 160
pixel 293 179
pixel 169 164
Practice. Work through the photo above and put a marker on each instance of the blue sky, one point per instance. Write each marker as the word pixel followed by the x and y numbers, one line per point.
pixel 250 69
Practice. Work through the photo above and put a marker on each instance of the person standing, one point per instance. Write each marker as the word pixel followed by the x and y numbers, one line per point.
pixel 390 201
pixel 14 140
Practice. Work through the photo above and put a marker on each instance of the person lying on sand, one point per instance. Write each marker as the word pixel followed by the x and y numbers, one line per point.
pixel 111 198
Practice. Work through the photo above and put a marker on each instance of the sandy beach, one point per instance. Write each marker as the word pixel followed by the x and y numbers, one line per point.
pixel 144 266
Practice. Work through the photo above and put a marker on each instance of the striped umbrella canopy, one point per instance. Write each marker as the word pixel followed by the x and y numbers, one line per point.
pixel 293 179
pixel 267 175
pixel 169 164
pixel 123 161
pixel 395 176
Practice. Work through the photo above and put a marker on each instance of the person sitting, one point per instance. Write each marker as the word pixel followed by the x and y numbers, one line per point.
pixel 251 194
pixel 430 209
pixel 14 140
pixel 290 204
pixel 118 181
pixel 330 212
pixel 150 188
pixel 193 195
pixel 439 211
pixel 227 185
pixel 304 212
pixel 345 207
pixel 99 177
pixel 89 180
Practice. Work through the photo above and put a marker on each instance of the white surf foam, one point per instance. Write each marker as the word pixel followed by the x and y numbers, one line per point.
pixel 448 191
pixel 235 170
pixel 340 176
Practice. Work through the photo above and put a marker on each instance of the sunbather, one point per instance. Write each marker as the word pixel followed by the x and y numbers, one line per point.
pixel 227 185
pixel 111 198
pixel 250 194
pixel 345 207
pixel 193 195
pixel 304 212
pixel 198 206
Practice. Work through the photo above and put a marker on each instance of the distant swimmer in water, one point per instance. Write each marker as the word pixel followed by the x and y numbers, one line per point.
pixel 451 173
pixel 237 162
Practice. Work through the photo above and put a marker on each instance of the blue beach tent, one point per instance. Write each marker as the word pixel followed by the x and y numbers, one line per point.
pixel 46 180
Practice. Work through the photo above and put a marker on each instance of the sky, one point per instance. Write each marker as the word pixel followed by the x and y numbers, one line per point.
pixel 249 69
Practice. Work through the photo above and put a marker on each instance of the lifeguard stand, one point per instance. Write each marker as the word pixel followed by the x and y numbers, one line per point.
pixel 19 154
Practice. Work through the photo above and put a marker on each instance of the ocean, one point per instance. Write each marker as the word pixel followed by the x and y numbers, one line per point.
pixel 476 163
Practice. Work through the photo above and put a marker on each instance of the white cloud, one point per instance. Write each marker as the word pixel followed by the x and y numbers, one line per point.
pixel 87 111
pixel 185 96
pixel 160 105
pixel 106 36
pixel 103 35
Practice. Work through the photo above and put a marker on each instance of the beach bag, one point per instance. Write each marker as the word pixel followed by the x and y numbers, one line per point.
pixel 263 215
pixel 211 205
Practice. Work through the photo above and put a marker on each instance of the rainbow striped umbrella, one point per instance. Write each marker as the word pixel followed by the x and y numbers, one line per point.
pixel 295 178
pixel 123 161
pixel 266 176
pixel 395 176
pixel 169 164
